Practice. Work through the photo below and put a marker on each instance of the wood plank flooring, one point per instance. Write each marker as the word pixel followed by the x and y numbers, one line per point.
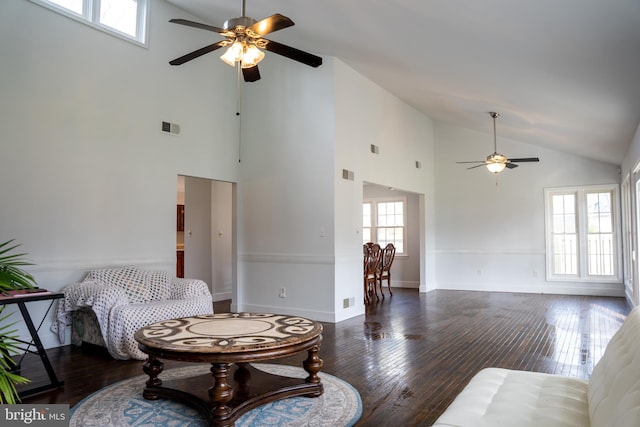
pixel 412 353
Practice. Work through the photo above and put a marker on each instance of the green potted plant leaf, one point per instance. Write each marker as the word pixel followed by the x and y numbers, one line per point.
pixel 11 277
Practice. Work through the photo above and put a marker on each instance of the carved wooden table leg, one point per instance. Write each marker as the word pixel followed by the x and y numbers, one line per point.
pixel 221 392
pixel 312 365
pixel 242 377
pixel 152 367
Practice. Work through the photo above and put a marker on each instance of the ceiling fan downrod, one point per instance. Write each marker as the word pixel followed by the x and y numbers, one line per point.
pixel 495 144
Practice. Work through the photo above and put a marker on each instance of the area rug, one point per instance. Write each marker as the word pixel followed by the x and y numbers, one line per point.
pixel 122 404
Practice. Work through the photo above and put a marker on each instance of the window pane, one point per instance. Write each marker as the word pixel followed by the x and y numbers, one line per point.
pixel 606 223
pixel 564 203
pixel 600 234
pixel 390 214
pixel 594 223
pixel 565 254
pixel 570 223
pixel 384 223
pixel 565 242
pixel 393 235
pixel 366 235
pixel 558 223
pixel 121 15
pixel 600 254
pixel 366 215
pixel 72 5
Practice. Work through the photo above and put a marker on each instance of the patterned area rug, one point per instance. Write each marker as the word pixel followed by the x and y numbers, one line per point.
pixel 121 404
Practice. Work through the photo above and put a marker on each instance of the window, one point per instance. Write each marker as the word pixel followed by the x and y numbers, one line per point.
pixel 124 18
pixel 582 234
pixel 383 222
pixel 564 234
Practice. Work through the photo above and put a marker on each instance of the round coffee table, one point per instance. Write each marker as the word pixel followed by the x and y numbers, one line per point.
pixel 229 342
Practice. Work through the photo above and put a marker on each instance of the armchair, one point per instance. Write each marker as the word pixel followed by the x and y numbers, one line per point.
pixel 110 305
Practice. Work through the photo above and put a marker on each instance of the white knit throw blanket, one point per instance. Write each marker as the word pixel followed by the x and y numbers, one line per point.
pixel 127 299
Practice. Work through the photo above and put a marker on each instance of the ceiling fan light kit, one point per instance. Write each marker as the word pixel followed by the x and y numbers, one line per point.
pixel 245 42
pixel 497 162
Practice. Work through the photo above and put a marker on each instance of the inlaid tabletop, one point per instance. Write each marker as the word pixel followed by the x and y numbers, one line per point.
pixel 228 333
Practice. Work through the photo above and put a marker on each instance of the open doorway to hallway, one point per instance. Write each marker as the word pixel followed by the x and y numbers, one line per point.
pixel 204 233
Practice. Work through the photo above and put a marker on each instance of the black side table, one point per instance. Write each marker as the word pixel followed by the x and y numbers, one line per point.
pixel 35 339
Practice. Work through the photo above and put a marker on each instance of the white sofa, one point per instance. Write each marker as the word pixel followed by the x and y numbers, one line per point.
pixel 610 398
pixel 110 305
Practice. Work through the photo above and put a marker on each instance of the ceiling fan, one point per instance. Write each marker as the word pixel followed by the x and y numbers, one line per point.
pixel 496 162
pixel 245 39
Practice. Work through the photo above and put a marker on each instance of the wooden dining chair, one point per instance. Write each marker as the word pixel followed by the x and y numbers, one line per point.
pixel 384 268
pixel 372 259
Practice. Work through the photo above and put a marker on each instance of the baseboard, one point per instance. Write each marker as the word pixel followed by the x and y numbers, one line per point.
pixel 592 289
pixel 319 316
pixel 404 284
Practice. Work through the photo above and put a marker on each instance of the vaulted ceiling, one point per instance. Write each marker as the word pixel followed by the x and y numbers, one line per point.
pixel 563 74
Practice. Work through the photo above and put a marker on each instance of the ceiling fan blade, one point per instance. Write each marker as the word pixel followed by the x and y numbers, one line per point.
pixel 251 74
pixel 198 53
pixel 198 25
pixel 270 24
pixel 292 53
pixel 525 159
pixel 510 165
pixel 477 166
pixel 474 161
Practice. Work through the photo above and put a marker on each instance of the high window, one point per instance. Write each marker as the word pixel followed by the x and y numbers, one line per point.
pixel 383 222
pixel 583 240
pixel 123 18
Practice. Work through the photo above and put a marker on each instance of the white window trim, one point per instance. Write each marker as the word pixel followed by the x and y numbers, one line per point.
pixel 89 17
pixel 374 219
pixel 582 275
pixel 627 237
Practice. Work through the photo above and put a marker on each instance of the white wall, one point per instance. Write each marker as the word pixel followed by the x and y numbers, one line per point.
pixel 285 195
pixel 367 114
pixel 491 237
pixel 88 179
pixel 300 221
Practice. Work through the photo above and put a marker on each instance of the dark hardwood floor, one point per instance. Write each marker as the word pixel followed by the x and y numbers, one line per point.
pixel 410 354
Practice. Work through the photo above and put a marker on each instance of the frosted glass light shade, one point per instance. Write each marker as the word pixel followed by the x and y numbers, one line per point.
pixel 248 55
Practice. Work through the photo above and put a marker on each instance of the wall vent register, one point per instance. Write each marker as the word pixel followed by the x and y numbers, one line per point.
pixel 171 128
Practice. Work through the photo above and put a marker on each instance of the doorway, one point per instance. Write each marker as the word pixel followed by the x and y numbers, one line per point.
pixel 204 244
pixel 407 263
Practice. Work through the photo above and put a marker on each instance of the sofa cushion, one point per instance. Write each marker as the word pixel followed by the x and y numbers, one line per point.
pixel 159 285
pixel 614 387
pixel 503 397
pixel 129 279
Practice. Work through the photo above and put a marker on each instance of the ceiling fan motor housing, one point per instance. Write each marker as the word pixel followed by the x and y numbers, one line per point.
pixel 238 25
pixel 496 158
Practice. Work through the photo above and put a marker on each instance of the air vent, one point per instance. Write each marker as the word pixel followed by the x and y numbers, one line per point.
pixel 170 128
pixel 347 174
pixel 418 165
pixel 375 149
